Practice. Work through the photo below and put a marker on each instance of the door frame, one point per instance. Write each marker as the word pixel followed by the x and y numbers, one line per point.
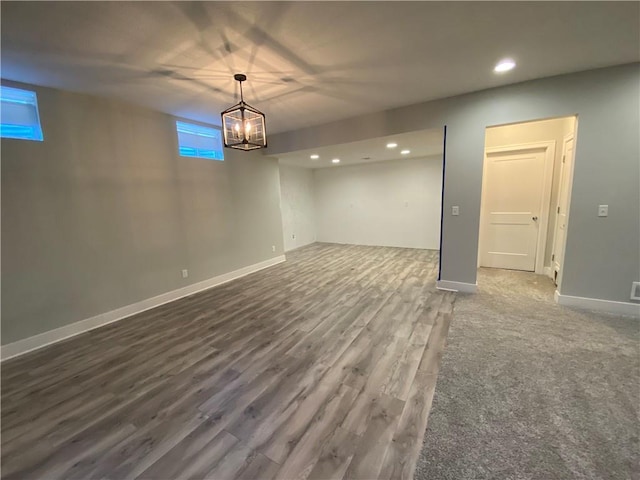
pixel 549 148
pixel 568 185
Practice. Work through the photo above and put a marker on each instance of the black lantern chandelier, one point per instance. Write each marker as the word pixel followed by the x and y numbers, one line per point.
pixel 243 125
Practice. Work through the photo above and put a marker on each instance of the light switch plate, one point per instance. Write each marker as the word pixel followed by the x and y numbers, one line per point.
pixel 603 210
pixel 455 210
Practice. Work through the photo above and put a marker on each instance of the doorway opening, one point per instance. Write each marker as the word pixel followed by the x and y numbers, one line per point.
pixel 526 191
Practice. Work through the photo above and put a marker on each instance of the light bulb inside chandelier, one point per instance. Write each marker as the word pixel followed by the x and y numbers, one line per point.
pixel 247 130
pixel 243 125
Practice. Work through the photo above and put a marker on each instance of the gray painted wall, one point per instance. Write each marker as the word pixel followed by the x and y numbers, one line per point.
pixel 297 204
pixel 105 213
pixel 603 254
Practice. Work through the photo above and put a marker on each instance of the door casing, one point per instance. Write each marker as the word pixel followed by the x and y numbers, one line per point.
pixel 566 182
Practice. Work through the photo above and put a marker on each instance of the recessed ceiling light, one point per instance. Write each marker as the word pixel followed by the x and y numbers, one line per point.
pixel 314 157
pixel 392 145
pixel 405 152
pixel 504 65
pixel 336 160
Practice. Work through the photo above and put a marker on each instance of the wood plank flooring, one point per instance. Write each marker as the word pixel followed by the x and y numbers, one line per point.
pixel 321 367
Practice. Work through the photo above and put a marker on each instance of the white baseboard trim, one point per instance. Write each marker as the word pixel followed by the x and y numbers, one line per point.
pixel 53 336
pixel 548 271
pixel 608 306
pixel 457 286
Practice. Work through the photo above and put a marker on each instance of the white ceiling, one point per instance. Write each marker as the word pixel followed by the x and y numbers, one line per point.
pixel 307 62
pixel 424 143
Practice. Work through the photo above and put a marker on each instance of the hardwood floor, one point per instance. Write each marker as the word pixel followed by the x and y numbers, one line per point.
pixel 321 367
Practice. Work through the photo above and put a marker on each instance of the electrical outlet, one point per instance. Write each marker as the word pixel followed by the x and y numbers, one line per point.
pixel 455 210
pixel 273 248
pixel 185 273
pixel 603 210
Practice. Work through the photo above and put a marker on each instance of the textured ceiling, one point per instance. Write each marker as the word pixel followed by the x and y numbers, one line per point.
pixel 307 62
pixel 424 143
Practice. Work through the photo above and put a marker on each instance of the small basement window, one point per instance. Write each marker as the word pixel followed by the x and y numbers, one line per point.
pixel 19 114
pixel 198 141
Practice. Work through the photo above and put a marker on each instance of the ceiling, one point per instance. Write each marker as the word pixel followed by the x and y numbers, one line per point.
pixel 424 143
pixel 307 62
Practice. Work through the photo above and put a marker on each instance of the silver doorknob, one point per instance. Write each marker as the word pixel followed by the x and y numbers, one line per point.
pixel 534 219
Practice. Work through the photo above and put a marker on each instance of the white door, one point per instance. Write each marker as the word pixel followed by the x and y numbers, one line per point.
pixel 562 219
pixel 512 207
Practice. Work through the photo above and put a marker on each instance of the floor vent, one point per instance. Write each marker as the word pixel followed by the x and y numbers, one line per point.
pixel 635 291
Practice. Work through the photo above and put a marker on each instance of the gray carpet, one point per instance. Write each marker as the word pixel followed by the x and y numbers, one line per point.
pixel 532 390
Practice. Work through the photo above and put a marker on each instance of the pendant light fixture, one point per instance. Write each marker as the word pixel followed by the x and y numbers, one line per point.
pixel 243 125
